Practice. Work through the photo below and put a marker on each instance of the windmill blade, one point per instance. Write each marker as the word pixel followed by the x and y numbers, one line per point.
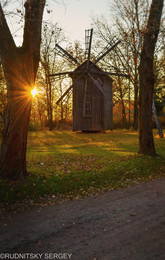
pixel 60 74
pixel 88 43
pixel 97 83
pixel 66 92
pixel 118 74
pixel 65 54
pixel 106 50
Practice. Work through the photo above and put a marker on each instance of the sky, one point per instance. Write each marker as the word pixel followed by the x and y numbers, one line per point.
pixel 74 16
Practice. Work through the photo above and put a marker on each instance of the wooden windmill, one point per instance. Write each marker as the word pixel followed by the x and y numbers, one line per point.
pixel 92 89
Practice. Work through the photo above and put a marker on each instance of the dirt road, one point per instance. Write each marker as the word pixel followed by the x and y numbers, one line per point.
pixel 122 224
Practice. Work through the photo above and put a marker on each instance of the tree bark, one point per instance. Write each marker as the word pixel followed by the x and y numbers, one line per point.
pixel 49 102
pixel 48 87
pixel 124 118
pixel 136 90
pixel 146 75
pixel 157 122
pixel 20 67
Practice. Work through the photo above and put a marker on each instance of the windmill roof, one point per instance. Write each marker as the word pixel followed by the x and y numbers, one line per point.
pixel 94 70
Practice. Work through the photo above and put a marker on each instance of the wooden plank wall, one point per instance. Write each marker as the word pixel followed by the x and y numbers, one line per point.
pixel 102 114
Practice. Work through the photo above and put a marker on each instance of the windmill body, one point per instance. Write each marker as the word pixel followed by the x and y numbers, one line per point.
pixel 92 99
pixel 92 89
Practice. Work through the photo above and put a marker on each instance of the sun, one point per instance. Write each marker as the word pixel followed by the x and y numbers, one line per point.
pixel 34 91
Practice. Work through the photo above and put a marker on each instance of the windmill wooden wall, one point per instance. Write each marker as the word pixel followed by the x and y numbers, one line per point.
pixel 92 110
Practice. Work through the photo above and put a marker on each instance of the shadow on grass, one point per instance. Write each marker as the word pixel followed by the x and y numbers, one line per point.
pixel 71 164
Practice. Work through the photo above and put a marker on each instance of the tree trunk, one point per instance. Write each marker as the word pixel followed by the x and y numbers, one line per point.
pixel 14 142
pixel 124 118
pixel 13 157
pixel 123 115
pixel 136 90
pixel 48 85
pixel 146 75
pixel 50 105
pixel 158 124
pixel 20 67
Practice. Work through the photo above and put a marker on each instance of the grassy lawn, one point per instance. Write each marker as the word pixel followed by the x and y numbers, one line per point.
pixel 66 164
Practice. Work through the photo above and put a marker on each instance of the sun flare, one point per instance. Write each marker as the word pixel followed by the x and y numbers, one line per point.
pixel 34 91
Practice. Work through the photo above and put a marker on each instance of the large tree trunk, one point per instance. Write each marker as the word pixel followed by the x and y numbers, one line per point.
pixel 13 155
pixel 146 75
pixel 20 67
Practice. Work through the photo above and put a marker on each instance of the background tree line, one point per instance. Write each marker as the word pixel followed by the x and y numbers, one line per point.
pixel 129 23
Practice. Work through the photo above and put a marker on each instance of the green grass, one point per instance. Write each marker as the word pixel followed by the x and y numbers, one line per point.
pixel 69 164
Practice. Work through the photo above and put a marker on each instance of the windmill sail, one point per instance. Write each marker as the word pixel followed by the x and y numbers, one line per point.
pixel 119 74
pixel 106 50
pixel 88 43
pixel 97 83
pixel 65 54
pixel 60 75
pixel 66 92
